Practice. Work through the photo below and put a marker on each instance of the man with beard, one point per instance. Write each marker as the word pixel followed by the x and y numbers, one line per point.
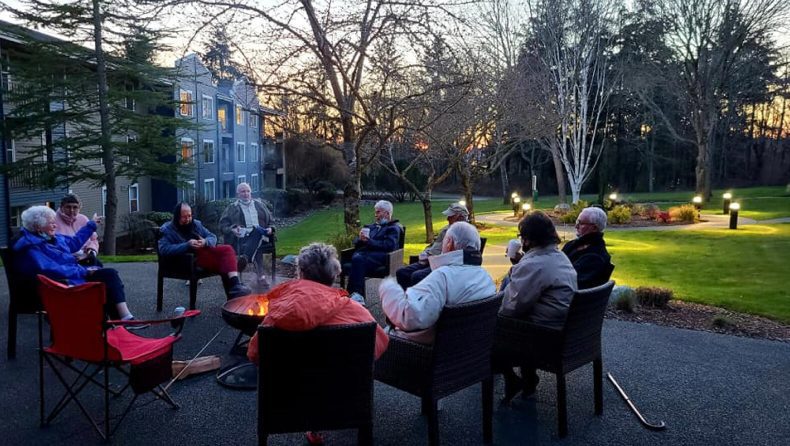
pixel 183 235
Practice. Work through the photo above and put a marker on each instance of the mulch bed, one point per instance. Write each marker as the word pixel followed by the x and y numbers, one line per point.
pixel 694 316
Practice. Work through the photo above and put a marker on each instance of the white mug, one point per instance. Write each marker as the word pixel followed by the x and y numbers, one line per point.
pixel 365 232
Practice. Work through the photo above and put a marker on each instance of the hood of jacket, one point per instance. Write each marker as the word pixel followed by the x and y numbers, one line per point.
pixel 300 305
pixel 27 240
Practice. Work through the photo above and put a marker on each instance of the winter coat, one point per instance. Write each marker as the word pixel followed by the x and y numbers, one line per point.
pixel 302 305
pixel 52 258
pixel 453 280
pixel 542 285
pixel 174 243
pixel 382 238
pixel 67 226
pixel 590 259
pixel 234 216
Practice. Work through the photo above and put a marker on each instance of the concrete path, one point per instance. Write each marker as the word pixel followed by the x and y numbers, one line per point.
pixel 708 388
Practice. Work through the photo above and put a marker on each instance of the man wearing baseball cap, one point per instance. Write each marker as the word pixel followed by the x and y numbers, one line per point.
pixel 412 274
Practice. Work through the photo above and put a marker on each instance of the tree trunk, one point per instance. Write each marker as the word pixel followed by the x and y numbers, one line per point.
pixel 505 182
pixel 426 210
pixel 111 207
pixel 466 187
pixel 352 189
pixel 559 173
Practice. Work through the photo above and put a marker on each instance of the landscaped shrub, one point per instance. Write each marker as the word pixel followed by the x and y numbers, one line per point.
pixel 159 218
pixel 663 217
pixel 626 301
pixel 650 211
pixel 140 230
pixel 621 214
pixel 341 240
pixel 653 296
pixel 209 213
pixel 576 209
pixel 686 213
pixel 325 192
pixel 722 321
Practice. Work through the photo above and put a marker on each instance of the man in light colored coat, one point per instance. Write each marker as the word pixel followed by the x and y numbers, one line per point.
pixel 456 277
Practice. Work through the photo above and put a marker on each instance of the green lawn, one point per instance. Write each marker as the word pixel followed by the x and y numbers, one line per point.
pixel 743 270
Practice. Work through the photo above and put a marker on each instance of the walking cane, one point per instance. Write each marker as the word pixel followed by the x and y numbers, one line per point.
pixel 653 427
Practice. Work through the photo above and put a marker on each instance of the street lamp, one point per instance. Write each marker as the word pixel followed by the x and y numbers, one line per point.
pixel 516 201
pixel 725 205
pixel 734 208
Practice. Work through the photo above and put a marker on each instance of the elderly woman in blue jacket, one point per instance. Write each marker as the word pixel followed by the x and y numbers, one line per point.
pixel 39 250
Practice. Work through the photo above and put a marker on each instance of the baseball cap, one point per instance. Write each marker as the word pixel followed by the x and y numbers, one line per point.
pixel 456 208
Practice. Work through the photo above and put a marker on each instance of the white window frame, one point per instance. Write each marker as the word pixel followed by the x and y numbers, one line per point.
pixel 188 193
pixel 104 200
pixel 207 112
pixel 243 158
pixel 253 120
pixel 239 116
pixel 191 158
pixel 241 179
pixel 254 152
pixel 186 107
pixel 213 151
pixel 212 188
pixel 255 182
pixel 134 197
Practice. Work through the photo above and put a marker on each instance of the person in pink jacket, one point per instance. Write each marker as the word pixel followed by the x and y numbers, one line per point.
pixel 69 220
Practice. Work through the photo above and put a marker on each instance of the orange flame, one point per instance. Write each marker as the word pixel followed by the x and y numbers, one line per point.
pixel 259 308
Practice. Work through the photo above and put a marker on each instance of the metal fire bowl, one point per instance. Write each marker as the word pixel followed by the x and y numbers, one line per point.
pixel 235 313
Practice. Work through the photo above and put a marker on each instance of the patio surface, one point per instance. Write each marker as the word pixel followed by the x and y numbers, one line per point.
pixel 708 388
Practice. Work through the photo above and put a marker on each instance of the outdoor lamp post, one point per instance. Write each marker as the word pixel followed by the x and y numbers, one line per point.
pixel 725 204
pixel 516 201
pixel 462 202
pixel 734 208
pixel 697 200
pixel 525 208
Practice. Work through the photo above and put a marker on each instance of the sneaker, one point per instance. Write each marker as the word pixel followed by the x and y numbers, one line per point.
pixel 135 327
pixel 314 438
pixel 238 291
pixel 242 263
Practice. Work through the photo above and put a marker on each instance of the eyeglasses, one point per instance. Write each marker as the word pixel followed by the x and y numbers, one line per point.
pixel 582 223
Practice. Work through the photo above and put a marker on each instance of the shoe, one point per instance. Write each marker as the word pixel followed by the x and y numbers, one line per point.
pixel 513 386
pixel 242 263
pixel 314 438
pixel 357 298
pixel 238 291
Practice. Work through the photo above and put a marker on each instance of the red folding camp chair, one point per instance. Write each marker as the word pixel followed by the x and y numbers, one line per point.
pixel 80 334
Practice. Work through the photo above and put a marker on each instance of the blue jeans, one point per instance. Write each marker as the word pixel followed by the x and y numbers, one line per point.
pixel 113 286
pixel 363 263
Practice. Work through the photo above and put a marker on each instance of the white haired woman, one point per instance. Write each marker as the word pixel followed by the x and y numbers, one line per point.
pixel 39 250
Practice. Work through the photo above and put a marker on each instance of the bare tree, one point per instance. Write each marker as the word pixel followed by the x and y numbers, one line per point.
pixel 572 38
pixel 319 54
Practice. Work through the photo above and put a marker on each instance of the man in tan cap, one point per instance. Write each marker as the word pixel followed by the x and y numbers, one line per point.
pixel 412 274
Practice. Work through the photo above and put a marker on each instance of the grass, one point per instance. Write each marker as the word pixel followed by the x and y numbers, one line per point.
pixel 743 270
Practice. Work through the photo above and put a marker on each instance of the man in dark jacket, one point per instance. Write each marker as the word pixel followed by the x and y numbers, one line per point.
pixel 375 241
pixel 588 252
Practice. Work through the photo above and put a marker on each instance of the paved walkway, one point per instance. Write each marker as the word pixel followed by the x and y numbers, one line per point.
pixel 708 388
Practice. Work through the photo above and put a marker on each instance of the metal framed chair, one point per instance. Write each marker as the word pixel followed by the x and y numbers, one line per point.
pixel 22 298
pixel 320 379
pixel 80 334
pixel 522 343
pixel 460 357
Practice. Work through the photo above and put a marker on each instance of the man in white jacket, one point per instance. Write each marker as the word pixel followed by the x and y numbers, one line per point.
pixel 456 277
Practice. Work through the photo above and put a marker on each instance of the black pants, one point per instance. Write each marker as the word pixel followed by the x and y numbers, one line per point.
pixel 114 288
pixel 411 275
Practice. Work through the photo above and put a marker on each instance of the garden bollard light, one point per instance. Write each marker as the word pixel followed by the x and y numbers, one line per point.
pixel 516 202
pixel 725 204
pixel 462 202
pixel 513 197
pixel 697 200
pixel 734 208
pixel 525 208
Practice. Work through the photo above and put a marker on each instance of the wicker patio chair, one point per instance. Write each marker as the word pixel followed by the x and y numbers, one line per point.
pixel 315 380
pixel 460 357
pixel 521 343
pixel 394 261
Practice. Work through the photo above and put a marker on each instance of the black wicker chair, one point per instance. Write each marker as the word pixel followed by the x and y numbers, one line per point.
pixel 394 261
pixel 483 240
pixel 22 298
pixel 521 343
pixel 182 267
pixel 460 357
pixel 320 379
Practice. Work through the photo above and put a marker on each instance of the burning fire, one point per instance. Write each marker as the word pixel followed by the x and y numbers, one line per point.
pixel 259 308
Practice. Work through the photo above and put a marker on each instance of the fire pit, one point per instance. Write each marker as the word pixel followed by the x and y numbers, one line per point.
pixel 244 314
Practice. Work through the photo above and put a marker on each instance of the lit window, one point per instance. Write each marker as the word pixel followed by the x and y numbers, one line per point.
pixel 239 115
pixel 187 150
pixel 222 117
pixel 186 103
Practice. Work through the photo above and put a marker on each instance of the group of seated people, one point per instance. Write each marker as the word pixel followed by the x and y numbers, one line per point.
pixel 63 245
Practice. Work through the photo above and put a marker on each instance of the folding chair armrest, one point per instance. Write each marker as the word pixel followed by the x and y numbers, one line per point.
pixel 178 320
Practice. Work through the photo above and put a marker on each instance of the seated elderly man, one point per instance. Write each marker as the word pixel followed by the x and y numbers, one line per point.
pixel 587 252
pixel 542 285
pixel 69 220
pixel 412 274
pixel 246 225
pixel 310 301
pixel 183 235
pixel 39 250
pixel 374 242
pixel 456 277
